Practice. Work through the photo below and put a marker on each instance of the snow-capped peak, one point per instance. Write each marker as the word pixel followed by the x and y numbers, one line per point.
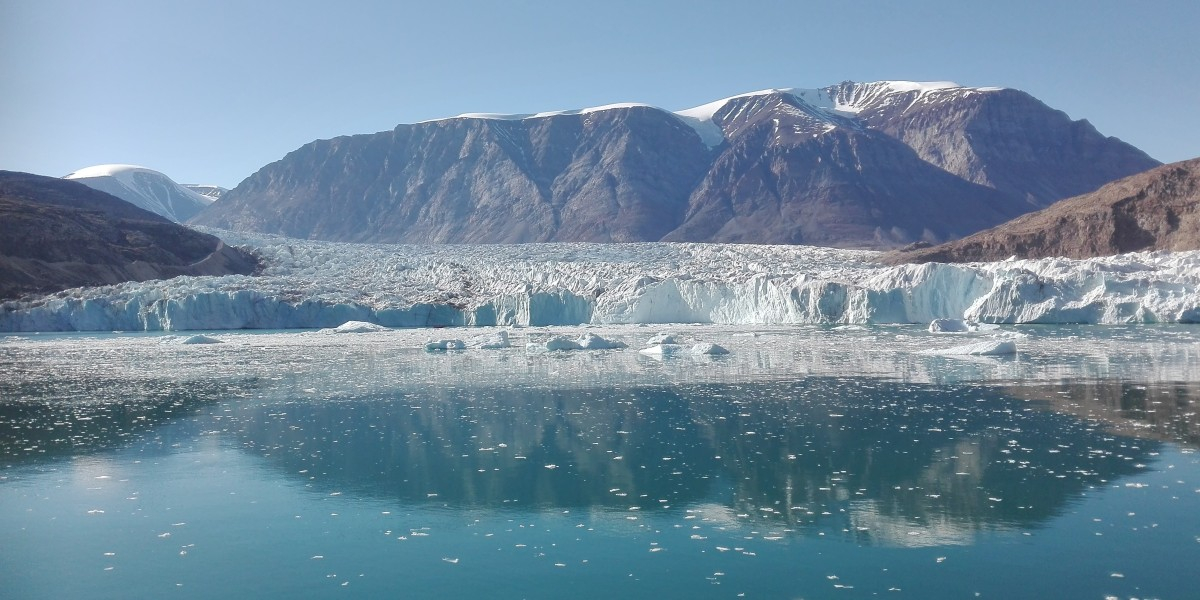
pixel 840 100
pixel 113 170
pixel 144 188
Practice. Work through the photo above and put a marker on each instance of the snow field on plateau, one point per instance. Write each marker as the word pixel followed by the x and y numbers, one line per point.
pixel 309 284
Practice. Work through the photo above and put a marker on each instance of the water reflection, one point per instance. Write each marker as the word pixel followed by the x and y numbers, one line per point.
pixel 50 417
pixel 878 461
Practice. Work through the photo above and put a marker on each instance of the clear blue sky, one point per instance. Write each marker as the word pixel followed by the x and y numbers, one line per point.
pixel 212 91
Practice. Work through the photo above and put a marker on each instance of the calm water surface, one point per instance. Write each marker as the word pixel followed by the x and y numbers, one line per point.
pixel 291 465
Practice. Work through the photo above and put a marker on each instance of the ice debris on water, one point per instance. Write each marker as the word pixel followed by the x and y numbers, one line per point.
pixel 445 345
pixel 493 341
pixel 959 326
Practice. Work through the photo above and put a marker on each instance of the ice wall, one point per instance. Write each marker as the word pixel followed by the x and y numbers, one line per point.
pixel 320 284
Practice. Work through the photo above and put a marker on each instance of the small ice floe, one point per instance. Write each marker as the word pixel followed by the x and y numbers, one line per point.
pixel 494 341
pixel 591 341
pixel 201 339
pixel 664 338
pixel 985 348
pixel 700 349
pixel 434 345
pixel 558 342
pixel 356 327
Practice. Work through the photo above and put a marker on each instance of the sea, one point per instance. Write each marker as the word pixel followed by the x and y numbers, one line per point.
pixel 808 462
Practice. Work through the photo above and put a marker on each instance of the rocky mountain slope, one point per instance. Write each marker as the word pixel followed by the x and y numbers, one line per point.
pixel 1155 210
pixel 144 188
pixel 57 234
pixel 853 165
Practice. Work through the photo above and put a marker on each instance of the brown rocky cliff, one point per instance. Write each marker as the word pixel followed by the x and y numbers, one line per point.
pixel 1155 210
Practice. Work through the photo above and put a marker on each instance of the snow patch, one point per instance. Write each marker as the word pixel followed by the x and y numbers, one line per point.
pixel 145 188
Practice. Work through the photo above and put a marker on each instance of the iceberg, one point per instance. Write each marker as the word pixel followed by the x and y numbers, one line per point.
pixel 309 285
pixel 358 327
pixel 496 341
pixel 591 341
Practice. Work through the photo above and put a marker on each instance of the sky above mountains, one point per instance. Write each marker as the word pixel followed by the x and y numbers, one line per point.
pixel 209 92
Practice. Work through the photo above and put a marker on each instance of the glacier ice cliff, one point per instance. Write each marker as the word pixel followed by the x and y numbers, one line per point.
pixel 308 284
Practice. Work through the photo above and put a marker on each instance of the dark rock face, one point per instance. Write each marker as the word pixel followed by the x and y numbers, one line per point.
pixel 609 176
pixel 57 234
pixel 853 165
pixel 1155 210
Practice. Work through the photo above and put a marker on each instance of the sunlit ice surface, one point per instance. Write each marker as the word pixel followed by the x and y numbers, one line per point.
pixel 810 461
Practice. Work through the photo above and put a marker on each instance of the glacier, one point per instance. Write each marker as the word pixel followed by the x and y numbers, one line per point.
pixel 311 284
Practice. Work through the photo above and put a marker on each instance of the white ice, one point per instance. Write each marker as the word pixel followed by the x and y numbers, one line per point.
pixel 308 284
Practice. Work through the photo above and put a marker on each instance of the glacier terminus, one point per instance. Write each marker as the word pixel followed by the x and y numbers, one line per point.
pixel 313 284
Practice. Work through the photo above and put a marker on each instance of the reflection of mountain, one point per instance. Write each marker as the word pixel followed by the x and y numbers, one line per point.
pixel 65 416
pixel 1157 411
pixel 827 453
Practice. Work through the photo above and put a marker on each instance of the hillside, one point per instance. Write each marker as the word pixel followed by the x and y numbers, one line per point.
pixel 57 234
pixel 1155 210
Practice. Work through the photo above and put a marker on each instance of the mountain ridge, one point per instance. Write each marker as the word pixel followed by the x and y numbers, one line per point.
pixel 633 172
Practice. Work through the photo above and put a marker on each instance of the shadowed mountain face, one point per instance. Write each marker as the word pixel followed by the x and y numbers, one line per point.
pixel 57 234
pixel 853 165
pixel 1155 210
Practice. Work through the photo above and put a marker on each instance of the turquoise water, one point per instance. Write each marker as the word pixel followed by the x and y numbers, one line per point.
pixel 370 469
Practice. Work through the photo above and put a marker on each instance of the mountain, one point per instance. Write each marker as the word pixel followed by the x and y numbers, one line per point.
pixel 874 165
pixel 57 234
pixel 144 188
pixel 1155 210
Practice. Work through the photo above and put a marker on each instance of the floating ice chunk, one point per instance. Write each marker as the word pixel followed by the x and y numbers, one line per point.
pixel 201 339
pixel 558 342
pixel 948 326
pixel 358 327
pixel 445 345
pixel 987 348
pixel 700 349
pixel 490 342
pixel 591 341
pixel 663 338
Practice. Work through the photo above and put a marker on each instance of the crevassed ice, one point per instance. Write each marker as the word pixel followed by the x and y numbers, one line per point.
pixel 310 284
